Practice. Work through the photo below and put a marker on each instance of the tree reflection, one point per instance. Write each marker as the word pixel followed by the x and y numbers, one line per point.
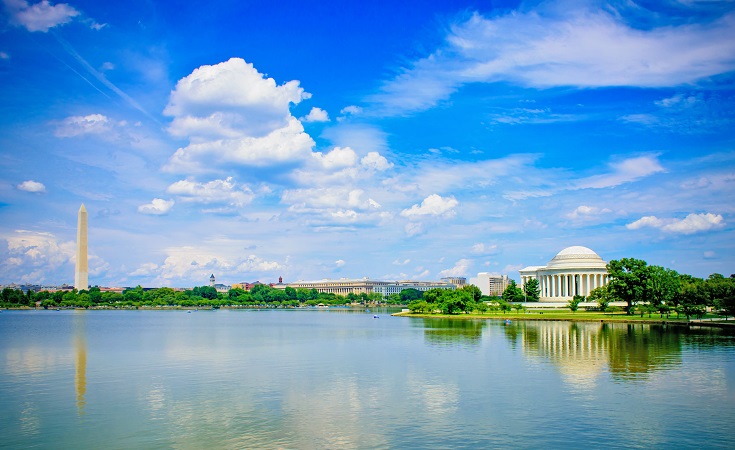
pixel 582 350
pixel 450 332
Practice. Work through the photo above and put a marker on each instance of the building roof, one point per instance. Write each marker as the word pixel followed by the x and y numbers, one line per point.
pixel 576 257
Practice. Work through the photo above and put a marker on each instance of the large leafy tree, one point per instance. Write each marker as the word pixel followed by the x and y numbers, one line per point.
pixel 532 290
pixel 629 281
pixel 513 293
pixel 409 295
pixel 663 287
pixel 721 292
pixel 473 290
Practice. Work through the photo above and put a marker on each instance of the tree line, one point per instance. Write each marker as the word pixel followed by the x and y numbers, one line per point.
pixel 260 295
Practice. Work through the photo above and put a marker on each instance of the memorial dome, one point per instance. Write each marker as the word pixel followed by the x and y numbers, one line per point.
pixel 577 257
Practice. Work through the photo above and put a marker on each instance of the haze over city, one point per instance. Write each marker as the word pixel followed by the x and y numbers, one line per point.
pixel 390 140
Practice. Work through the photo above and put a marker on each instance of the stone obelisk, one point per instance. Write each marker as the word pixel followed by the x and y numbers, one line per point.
pixel 81 280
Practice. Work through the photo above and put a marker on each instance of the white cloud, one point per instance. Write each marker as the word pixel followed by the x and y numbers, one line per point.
pixel 401 263
pixel 625 171
pixel 157 207
pixel 414 228
pixel 709 254
pixel 316 115
pixel 693 223
pixel 230 99
pixel 80 125
pixel 340 263
pixel 336 158
pixel 284 145
pixel 484 249
pixel 41 16
pixel 32 186
pixel 376 161
pixel 232 114
pixel 460 269
pixel 145 269
pixel 433 205
pixel 561 47
pixel 328 198
pixel 587 212
pixel 216 191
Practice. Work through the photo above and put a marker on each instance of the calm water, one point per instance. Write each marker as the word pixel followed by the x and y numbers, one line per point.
pixel 339 379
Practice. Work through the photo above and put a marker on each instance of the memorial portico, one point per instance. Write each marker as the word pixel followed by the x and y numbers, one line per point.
pixel 573 271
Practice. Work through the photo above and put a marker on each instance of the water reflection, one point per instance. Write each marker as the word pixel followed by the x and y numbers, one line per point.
pixel 582 351
pixel 80 349
pixel 450 332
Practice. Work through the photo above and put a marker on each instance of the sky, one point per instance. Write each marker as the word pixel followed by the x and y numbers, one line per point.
pixel 392 140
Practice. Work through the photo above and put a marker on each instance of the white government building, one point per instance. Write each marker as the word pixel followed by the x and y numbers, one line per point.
pixel 573 271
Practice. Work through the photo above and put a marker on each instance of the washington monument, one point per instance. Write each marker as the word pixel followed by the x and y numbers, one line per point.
pixel 81 280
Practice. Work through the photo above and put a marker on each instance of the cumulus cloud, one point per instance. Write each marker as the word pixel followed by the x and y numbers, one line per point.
pixel 460 269
pixel 216 191
pixel 340 263
pixel 40 16
pixel 561 47
pixel 233 114
pixel 32 186
pixel 316 115
pixel 337 158
pixel 433 205
pixel 376 161
pixel 587 212
pixel 398 262
pixel 156 207
pixel 693 223
pixel 34 256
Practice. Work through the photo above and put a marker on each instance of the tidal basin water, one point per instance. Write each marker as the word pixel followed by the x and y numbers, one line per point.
pixel 311 379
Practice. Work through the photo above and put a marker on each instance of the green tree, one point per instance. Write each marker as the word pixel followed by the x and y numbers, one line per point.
pixel 721 293
pixel 473 290
pixel 663 287
pixel 628 281
pixel 601 296
pixel 419 306
pixel 573 304
pixel 532 290
pixel 513 293
pixel 409 295
pixel 693 298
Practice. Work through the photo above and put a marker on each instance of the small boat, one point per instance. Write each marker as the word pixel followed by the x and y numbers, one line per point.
pixel 376 317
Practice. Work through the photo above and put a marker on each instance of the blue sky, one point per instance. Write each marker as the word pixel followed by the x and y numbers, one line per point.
pixel 390 140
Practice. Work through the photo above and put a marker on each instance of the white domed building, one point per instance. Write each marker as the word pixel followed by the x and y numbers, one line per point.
pixel 573 271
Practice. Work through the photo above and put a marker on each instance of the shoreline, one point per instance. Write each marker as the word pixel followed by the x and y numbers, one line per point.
pixel 715 323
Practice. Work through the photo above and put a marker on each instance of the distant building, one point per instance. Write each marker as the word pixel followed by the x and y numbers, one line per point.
pixel 457 281
pixel 244 285
pixel 491 284
pixel 341 287
pixel 395 287
pixel 217 286
pixel 573 271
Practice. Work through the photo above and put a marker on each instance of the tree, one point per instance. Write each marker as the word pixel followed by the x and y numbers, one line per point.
pixel 419 306
pixel 628 281
pixel 721 292
pixel 409 295
pixel 513 293
pixel 473 290
pixel 601 296
pixel 573 304
pixel 663 287
pixel 693 298
pixel 532 290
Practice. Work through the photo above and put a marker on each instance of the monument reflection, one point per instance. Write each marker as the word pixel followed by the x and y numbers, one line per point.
pixel 584 350
pixel 80 360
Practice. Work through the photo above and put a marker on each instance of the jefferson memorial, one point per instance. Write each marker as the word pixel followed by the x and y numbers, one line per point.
pixel 573 271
